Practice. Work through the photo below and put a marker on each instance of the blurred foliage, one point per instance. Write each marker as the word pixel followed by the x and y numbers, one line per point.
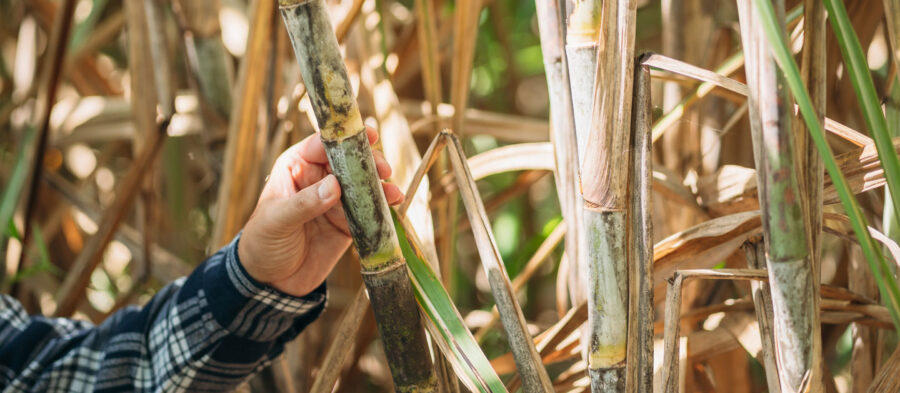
pixel 507 78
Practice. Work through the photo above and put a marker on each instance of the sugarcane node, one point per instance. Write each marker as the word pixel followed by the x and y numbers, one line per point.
pixel 292 3
pixel 584 23
pixel 397 315
pixel 677 276
pixel 602 208
pixel 395 264
pixel 606 356
pixel 644 56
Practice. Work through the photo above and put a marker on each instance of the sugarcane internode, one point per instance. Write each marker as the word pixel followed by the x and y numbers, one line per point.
pixel 322 69
pixel 368 216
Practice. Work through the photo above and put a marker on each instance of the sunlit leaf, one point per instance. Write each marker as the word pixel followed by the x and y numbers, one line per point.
pixel 867 97
pixel 467 358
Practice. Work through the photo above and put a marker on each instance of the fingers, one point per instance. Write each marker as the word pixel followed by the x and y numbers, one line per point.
pixel 392 193
pixel 306 204
pixel 372 134
pixel 381 165
pixel 313 150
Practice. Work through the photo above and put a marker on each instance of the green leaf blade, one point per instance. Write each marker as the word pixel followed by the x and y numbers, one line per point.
pixel 858 70
pixel 436 304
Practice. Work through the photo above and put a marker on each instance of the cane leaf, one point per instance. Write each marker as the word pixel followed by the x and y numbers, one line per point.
pixel 466 357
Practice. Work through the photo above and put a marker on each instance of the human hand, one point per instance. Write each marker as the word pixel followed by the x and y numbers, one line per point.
pixel 298 231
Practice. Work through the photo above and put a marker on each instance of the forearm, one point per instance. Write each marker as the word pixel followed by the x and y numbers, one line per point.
pixel 208 331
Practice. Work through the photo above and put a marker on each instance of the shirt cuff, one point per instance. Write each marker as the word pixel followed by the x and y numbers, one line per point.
pixel 250 309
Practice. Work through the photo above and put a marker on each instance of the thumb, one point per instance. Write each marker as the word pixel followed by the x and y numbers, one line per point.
pixel 308 203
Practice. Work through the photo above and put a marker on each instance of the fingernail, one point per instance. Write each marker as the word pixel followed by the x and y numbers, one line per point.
pixel 325 189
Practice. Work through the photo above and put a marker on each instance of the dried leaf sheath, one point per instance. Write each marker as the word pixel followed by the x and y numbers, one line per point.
pixel 368 217
pixel 528 362
pixel 562 132
pixel 582 59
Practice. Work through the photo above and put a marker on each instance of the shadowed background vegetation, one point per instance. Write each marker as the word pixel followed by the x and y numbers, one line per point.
pixel 135 137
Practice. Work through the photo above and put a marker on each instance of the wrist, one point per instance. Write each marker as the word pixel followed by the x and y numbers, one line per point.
pixel 291 284
pixel 245 258
pixel 294 286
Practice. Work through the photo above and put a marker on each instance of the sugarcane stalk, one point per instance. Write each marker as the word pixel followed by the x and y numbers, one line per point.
pixel 151 83
pixel 551 24
pixel 368 217
pixel 429 56
pixel 639 348
pixel 400 151
pixel 603 184
pixel 605 235
pixel 810 166
pixel 784 226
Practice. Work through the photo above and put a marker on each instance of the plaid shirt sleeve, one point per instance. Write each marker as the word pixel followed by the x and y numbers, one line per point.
pixel 205 332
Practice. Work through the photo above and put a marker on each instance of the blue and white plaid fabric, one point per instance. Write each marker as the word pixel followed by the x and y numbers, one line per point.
pixel 206 332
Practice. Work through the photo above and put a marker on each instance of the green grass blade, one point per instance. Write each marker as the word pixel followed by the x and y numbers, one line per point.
pixel 438 307
pixel 13 187
pixel 867 96
pixel 43 264
pixel 887 285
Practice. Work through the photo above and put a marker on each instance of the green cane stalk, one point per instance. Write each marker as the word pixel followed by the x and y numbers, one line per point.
pixel 785 226
pixel 887 285
pixel 368 216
